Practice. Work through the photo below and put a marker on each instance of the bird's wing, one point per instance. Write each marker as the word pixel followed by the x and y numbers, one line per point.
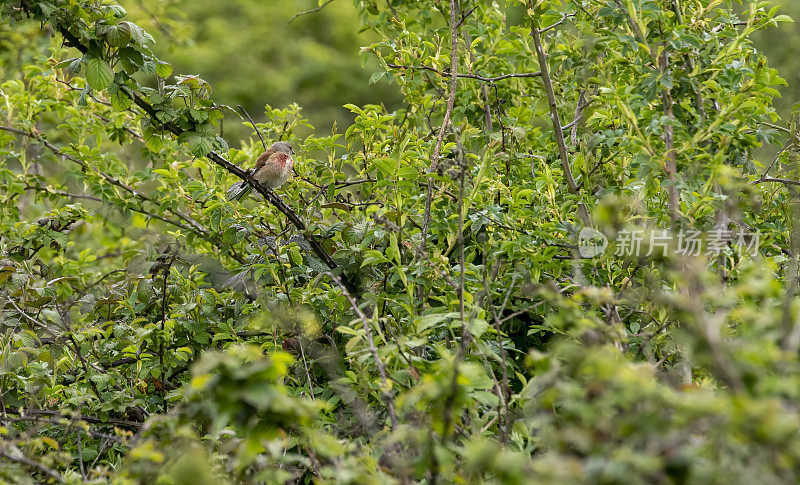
pixel 262 159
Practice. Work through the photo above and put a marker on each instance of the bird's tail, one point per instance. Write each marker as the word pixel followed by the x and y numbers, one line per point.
pixel 238 190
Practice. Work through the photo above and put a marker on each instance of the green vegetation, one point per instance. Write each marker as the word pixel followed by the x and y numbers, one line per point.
pixel 430 298
pixel 252 55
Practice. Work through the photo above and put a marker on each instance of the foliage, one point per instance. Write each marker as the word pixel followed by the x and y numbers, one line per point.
pixel 256 52
pixel 415 305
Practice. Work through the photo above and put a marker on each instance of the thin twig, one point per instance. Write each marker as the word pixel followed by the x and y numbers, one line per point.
pixel 564 17
pixel 465 16
pixel 80 454
pixel 582 103
pixel 59 421
pixel 244 111
pixel 308 11
pixel 774 161
pixel 165 270
pixel 123 423
pixel 30 318
pixel 467 76
pixel 777 180
pixel 305 366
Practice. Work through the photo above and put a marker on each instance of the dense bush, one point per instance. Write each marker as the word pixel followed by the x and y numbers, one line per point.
pixel 430 298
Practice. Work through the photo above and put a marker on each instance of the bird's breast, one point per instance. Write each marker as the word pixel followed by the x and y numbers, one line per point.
pixel 275 171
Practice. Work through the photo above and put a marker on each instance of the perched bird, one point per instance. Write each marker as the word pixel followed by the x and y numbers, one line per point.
pixel 272 169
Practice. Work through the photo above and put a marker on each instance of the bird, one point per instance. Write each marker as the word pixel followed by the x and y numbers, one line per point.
pixel 273 168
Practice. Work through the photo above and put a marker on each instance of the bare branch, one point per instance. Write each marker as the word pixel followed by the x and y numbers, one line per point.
pixel 44 326
pixel 559 133
pixel 777 180
pixel 467 76
pixel 451 98
pixel 564 17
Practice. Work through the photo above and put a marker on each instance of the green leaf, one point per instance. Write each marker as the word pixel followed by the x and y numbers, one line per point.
pixel 98 74
pixel 376 77
pixel 131 59
pixel 393 251
pixel 66 62
pixel 199 145
pixel 372 257
pixel 138 34
pixel 163 69
pixel 425 322
pixel 386 165
pixel 297 258
pixel 477 327
pixel 75 65
pixel 118 36
pixel 119 101
pixel 153 142
pixel 118 11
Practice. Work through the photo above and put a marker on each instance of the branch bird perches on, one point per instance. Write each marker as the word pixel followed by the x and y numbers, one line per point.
pixel 268 194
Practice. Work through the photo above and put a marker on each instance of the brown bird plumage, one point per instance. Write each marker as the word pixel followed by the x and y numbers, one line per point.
pixel 273 168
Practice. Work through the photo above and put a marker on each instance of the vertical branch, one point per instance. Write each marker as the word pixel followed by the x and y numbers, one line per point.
pixel 551 102
pixel 387 395
pixel 573 132
pixel 461 176
pixel 505 393
pixel 466 336
pixel 305 366
pixel 451 98
pixel 671 166
pixel 80 454
pixel 164 266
